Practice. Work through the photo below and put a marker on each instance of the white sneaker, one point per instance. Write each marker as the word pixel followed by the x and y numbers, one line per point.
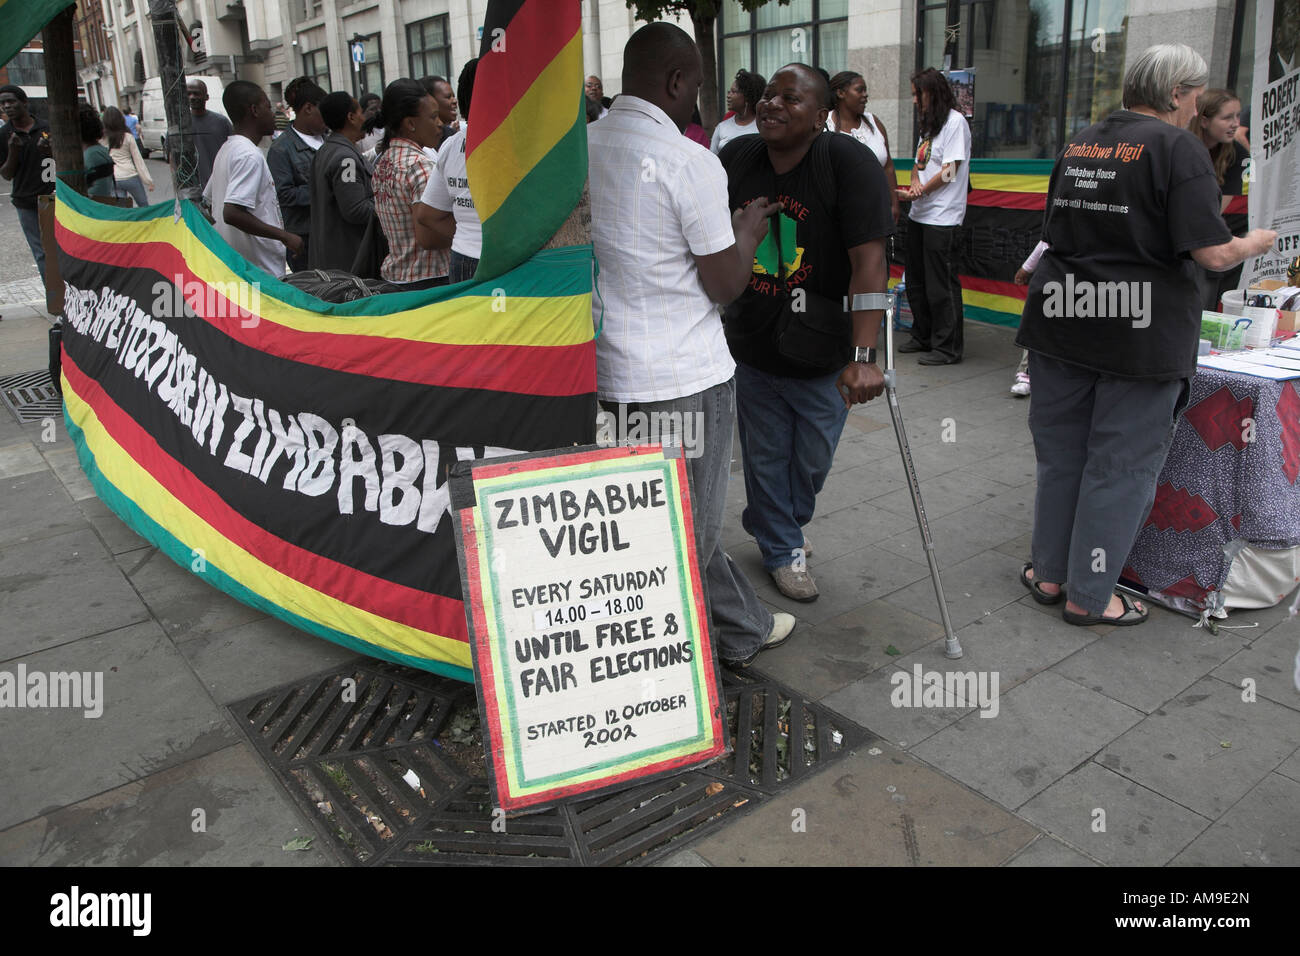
pixel 1021 387
pixel 782 627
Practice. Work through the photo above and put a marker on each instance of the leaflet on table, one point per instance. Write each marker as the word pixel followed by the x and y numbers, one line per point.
pixel 1276 358
pixel 1225 363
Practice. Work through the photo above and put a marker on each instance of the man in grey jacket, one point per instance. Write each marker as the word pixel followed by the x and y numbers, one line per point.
pixel 343 202
pixel 290 158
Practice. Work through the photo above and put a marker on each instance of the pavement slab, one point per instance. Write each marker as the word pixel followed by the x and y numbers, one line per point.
pixel 117 537
pixel 869 702
pixel 182 601
pixel 1262 829
pixel 19 457
pixel 957 536
pixel 1115 820
pixel 824 658
pixel 1045 728
pixel 1270 663
pixel 36 507
pixel 1145 666
pixel 155 715
pixel 238 662
pixel 1206 748
pixel 973 589
pixel 222 809
pixel 58 589
pixel 1046 851
pixel 944 495
pixel 874 808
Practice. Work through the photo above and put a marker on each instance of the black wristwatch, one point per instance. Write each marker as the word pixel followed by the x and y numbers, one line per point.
pixel 864 355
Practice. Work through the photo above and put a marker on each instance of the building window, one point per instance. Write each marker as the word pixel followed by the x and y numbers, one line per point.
pixel 430 44
pixel 316 67
pixel 804 31
pixel 1044 70
pixel 27 68
pixel 369 76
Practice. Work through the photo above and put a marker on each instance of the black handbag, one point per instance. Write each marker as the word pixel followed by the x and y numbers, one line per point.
pixel 372 252
pixel 812 331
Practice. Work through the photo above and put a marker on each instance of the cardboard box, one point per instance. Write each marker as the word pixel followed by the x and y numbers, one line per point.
pixel 1287 321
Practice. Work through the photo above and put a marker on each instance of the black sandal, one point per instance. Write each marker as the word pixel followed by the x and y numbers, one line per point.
pixel 1041 596
pixel 1132 615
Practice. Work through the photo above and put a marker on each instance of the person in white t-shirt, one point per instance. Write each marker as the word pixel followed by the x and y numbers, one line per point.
pixel 241 190
pixel 940 179
pixel 445 215
pixel 669 250
pixel 742 100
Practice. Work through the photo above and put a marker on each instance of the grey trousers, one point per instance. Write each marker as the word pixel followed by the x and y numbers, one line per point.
pixel 1100 443
pixel 739 620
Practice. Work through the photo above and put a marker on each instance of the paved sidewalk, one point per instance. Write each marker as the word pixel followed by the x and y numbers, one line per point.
pixel 1110 746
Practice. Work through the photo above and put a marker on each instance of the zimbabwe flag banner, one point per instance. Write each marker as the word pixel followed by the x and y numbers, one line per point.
pixel 295 453
pixel 526 142
pixel 23 19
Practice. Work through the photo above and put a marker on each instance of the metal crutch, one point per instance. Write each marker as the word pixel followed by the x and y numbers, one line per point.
pixel 951 649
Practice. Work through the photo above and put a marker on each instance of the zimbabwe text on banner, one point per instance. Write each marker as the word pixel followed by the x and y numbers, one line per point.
pixel 590 635
pixel 295 453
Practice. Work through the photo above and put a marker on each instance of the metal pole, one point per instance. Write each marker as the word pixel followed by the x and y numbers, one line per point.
pixel 180 131
pixel 952 649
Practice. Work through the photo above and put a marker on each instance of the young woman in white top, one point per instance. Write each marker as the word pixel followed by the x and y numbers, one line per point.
pixel 742 99
pixel 940 178
pixel 130 175
pixel 849 115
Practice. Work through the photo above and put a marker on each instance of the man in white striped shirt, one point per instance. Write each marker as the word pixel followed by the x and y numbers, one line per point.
pixel 668 251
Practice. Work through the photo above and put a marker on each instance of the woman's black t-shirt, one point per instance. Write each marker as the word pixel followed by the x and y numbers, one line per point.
pixel 1116 293
pixel 819 222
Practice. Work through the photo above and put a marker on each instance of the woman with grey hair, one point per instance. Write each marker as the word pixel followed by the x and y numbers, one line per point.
pixel 1111 324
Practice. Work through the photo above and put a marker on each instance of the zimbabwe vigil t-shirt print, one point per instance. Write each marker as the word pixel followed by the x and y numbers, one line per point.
pixel 1115 292
pixel 824 213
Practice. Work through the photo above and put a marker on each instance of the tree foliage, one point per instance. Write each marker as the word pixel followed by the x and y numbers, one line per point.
pixel 703 14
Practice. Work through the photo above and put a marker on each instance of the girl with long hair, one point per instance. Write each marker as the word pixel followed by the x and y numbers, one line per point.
pixel 1217 119
pixel 130 175
pixel 940 177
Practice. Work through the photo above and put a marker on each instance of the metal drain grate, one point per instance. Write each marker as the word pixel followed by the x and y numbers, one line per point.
pixel 31 396
pixel 388 763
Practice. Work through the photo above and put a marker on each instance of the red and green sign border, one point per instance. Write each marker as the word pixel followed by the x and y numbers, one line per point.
pixel 510 789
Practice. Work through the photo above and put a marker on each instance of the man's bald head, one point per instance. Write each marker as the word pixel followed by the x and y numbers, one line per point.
pixel 816 80
pixel 661 64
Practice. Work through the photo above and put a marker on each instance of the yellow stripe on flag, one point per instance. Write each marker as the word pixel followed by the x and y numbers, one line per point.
pixel 137 484
pixel 543 116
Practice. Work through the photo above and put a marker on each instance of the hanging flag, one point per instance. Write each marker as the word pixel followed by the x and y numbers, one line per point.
pixel 527 139
pixel 295 453
pixel 23 19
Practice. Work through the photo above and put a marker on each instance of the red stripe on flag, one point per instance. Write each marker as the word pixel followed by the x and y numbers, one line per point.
pixel 1238 204
pixel 547 370
pixel 533 38
pixel 994 287
pixel 1006 199
pixel 419 609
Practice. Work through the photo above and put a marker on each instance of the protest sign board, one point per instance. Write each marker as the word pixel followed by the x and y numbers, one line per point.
pixel 587 621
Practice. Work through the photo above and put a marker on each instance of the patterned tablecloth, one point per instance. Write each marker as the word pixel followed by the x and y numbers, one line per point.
pixel 1230 480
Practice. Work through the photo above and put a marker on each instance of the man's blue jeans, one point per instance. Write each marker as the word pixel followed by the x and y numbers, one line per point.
pixel 30 219
pixel 740 621
pixel 789 429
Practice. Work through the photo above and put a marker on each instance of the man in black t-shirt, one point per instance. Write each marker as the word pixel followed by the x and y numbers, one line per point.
pixel 802 360
pixel 26 159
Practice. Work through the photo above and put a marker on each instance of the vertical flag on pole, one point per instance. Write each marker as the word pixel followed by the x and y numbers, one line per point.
pixel 527 138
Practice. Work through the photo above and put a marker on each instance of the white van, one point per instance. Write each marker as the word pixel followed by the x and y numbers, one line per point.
pixel 153 112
